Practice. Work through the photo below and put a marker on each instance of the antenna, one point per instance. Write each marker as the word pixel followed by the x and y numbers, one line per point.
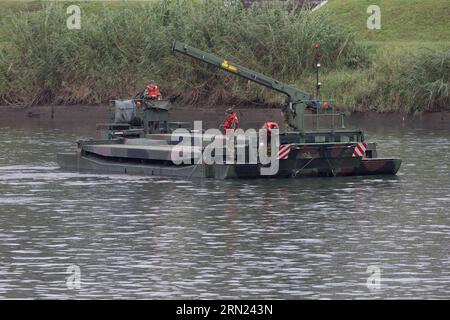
pixel 318 84
pixel 317 65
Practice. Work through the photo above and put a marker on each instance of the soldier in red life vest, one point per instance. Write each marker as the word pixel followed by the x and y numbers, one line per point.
pixel 152 91
pixel 269 126
pixel 232 121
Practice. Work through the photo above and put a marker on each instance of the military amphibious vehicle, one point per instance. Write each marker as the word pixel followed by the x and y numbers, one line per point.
pixel 139 139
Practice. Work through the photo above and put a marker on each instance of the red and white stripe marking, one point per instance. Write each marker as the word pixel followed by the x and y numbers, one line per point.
pixel 360 149
pixel 283 151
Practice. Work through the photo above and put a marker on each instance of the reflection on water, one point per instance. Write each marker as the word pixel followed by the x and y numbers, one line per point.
pixel 147 237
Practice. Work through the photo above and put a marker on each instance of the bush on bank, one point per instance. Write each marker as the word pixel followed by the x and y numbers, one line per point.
pixel 426 82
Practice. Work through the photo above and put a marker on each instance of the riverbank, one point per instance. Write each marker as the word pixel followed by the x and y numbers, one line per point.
pixel 89 116
pixel 404 67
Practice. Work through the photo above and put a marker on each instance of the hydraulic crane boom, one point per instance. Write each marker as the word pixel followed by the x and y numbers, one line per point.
pixel 296 102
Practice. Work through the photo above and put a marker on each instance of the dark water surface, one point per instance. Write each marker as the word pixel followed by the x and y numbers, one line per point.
pixel 147 237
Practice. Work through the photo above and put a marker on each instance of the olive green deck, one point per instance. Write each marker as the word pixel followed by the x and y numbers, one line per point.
pixel 159 152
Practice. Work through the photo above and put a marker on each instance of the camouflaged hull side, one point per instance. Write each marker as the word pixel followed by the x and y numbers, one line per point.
pixel 291 168
pixel 379 166
pixel 76 162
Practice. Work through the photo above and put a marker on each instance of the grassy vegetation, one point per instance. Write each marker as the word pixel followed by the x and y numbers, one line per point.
pixel 402 67
pixel 117 51
pixel 410 56
pixel 401 20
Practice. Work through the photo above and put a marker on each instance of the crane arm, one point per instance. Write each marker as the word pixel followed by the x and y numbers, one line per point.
pixel 236 69
pixel 296 101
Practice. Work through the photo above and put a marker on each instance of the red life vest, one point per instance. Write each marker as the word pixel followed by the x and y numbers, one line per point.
pixel 270 126
pixel 152 91
pixel 231 123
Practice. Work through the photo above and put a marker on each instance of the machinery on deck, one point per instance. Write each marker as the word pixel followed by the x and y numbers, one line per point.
pixel 141 143
pixel 328 125
pixel 296 102
pixel 147 113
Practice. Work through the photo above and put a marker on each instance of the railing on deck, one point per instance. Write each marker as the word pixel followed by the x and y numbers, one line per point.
pixel 321 121
pixel 324 118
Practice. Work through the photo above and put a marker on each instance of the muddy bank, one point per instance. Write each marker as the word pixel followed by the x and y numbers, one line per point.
pixel 211 117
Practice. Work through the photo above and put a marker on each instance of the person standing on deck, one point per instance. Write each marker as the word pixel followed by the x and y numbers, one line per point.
pixel 231 122
pixel 151 91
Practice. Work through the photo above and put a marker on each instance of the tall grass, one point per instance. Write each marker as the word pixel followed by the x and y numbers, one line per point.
pixel 117 51
pixel 398 82
pixel 394 82
pixel 426 84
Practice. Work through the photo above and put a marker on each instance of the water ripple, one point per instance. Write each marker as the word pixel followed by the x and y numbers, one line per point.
pixel 148 237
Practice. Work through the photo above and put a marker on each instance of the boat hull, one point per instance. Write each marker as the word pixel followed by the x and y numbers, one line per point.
pixel 290 168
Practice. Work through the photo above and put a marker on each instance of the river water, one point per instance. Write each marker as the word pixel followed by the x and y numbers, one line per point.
pixel 148 237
